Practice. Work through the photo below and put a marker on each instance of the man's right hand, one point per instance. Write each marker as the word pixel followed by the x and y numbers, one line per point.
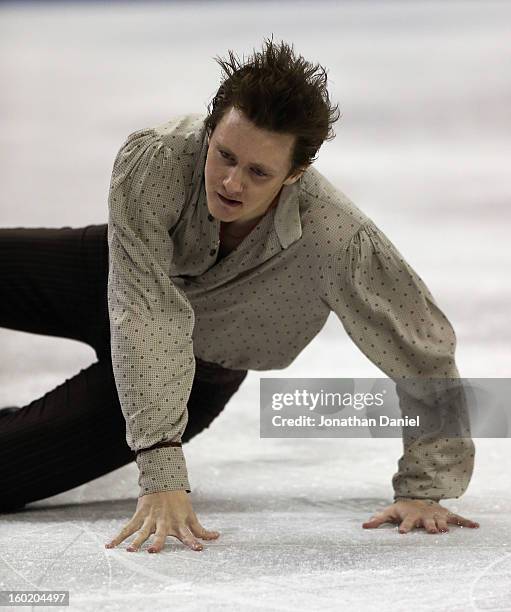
pixel 164 513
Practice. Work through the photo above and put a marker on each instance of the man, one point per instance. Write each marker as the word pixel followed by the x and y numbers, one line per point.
pixel 227 246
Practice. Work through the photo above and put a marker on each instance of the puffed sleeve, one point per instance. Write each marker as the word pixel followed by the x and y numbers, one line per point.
pixel 390 314
pixel 151 321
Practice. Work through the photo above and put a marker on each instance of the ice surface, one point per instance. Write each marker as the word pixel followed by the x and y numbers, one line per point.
pixel 422 147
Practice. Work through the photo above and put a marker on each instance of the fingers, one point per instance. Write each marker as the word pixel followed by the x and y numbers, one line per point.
pixel 182 533
pixel 409 522
pixel 386 516
pixel 200 532
pixel 416 513
pixel 142 536
pixel 158 541
pixel 164 513
pixel 429 525
pixel 185 535
pixel 377 520
pixel 435 525
pixel 461 521
pixel 442 524
pixel 126 531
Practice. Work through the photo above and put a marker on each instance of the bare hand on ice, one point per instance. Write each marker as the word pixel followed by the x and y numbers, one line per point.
pixel 412 513
pixel 164 513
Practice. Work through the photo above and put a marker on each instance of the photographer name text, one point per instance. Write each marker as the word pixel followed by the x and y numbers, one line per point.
pixel 351 421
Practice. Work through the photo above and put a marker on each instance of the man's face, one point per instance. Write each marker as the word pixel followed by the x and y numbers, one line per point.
pixel 248 165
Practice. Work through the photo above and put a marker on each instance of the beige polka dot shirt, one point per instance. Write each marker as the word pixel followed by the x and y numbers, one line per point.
pixel 258 307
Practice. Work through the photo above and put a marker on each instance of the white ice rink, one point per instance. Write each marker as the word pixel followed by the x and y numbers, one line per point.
pixel 423 147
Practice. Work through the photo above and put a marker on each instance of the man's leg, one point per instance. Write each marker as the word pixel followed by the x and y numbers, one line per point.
pixel 70 435
pixel 54 282
pixel 77 432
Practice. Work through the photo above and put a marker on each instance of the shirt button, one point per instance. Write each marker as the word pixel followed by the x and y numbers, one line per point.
pixel 210 217
pixel 212 252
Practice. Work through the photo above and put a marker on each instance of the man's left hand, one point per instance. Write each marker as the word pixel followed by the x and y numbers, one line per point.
pixel 412 513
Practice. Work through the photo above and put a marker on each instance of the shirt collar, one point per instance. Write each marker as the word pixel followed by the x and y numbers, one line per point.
pixel 287 221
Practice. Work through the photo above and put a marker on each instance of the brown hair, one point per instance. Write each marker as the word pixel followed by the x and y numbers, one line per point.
pixel 280 92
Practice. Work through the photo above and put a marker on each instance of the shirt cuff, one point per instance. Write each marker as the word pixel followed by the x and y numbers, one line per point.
pixel 426 499
pixel 162 469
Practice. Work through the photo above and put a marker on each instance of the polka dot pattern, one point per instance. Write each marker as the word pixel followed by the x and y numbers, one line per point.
pixel 390 314
pixel 172 295
pixel 151 320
